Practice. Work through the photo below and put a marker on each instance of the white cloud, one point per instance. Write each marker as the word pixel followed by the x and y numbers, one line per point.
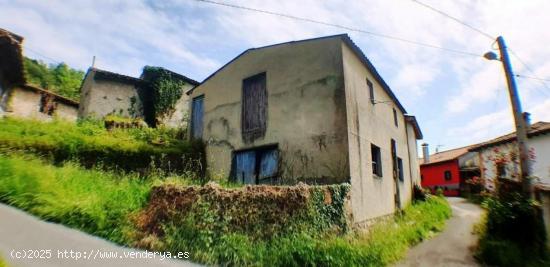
pixel 456 91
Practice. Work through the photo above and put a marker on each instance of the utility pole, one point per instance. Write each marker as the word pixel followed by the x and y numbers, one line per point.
pixel 521 130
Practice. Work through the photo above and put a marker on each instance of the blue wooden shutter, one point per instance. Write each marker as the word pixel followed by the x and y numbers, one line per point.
pixel 245 167
pixel 197 113
pixel 268 163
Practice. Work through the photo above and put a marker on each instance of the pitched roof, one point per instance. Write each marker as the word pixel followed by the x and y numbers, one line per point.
pixel 447 155
pixel 175 75
pixel 412 120
pixel 112 76
pixel 347 40
pixel 538 128
pixel 60 98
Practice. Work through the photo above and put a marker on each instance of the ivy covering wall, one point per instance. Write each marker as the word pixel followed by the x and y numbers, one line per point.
pixel 165 88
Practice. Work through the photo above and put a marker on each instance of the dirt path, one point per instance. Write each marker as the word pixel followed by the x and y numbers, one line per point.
pixel 453 246
pixel 20 231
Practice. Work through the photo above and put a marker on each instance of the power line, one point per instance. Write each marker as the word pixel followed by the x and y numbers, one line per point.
pixel 42 55
pixel 379 35
pixel 492 38
pixel 455 19
pixel 533 78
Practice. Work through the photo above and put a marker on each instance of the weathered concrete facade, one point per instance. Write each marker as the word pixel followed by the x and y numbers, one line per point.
pixel 29 102
pixel 19 99
pixel 320 119
pixel 106 93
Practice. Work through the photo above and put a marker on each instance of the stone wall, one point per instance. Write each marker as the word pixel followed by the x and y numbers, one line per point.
pixel 25 103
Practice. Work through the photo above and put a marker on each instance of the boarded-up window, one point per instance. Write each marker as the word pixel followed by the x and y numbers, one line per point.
pixel 256 166
pixel 197 113
pixel 254 107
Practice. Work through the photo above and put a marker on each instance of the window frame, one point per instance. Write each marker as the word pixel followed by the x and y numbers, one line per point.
pixel 376 157
pixel 370 86
pixel 251 132
pixel 193 125
pixel 395 121
pixel 259 152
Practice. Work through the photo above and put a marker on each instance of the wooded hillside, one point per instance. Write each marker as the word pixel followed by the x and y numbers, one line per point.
pixel 58 78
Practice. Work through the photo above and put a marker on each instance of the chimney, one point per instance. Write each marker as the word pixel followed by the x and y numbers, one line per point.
pixel 527 120
pixel 425 153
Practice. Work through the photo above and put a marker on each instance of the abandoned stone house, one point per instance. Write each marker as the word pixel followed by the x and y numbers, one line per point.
pixel 315 111
pixel 107 93
pixel 19 99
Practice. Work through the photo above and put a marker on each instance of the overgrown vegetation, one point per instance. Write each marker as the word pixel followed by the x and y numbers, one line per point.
pixel 111 205
pixel 231 233
pixel 58 78
pixel 167 89
pixel 159 210
pixel 512 233
pixel 94 201
pixel 91 145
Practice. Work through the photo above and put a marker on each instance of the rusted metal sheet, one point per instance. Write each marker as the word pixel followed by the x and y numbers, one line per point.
pixel 254 107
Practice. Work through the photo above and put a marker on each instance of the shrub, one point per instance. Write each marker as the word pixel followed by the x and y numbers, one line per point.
pixel 91 145
pixel 513 234
pixel 279 226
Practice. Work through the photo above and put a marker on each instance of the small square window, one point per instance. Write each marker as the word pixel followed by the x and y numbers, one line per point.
pixel 448 175
pixel 371 91
pixel 376 160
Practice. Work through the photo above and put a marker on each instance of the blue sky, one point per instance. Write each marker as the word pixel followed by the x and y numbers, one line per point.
pixel 458 100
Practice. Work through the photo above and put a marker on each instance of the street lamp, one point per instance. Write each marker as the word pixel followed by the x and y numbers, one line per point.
pixel 491 56
pixel 521 131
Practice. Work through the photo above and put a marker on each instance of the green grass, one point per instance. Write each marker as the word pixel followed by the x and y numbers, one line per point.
pixel 95 201
pixel 92 145
pixel 106 204
pixel 386 243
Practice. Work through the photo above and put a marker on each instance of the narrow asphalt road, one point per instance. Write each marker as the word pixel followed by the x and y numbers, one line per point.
pixel 21 233
pixel 452 247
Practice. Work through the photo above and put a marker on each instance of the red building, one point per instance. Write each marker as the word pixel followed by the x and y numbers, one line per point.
pixel 448 170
